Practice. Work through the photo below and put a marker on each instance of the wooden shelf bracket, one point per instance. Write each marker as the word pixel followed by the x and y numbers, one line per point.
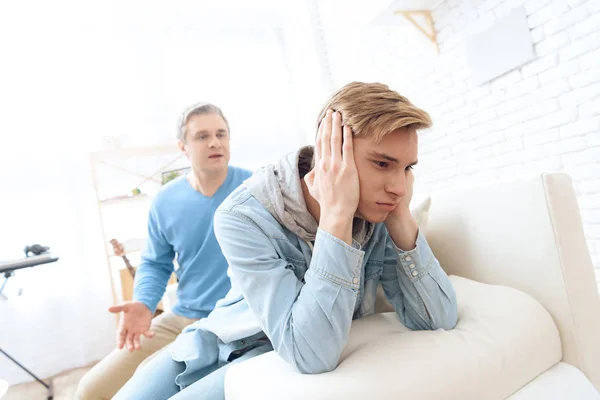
pixel 426 26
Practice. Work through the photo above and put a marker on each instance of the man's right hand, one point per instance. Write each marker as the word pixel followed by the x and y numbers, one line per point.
pixel 333 182
pixel 135 321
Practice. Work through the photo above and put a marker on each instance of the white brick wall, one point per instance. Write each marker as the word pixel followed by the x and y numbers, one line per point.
pixel 544 116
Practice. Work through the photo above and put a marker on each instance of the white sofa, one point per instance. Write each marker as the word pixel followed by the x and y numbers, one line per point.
pixel 529 311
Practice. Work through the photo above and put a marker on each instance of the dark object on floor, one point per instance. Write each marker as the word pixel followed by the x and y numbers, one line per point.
pixel 36 249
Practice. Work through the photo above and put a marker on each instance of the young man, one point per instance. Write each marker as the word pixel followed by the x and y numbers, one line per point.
pixel 307 241
pixel 180 224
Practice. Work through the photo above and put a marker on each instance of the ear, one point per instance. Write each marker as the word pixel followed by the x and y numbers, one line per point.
pixel 181 146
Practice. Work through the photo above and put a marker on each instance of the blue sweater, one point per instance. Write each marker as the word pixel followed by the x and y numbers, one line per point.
pixel 180 224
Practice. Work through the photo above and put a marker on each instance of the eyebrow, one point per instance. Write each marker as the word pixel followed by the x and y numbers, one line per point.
pixel 204 131
pixel 390 158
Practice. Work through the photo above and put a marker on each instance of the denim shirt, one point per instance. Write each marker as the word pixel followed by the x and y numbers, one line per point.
pixel 304 296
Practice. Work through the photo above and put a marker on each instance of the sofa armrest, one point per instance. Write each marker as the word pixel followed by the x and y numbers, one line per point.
pixel 526 234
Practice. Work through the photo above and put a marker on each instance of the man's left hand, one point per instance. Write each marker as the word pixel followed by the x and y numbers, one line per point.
pixel 400 223
pixel 402 210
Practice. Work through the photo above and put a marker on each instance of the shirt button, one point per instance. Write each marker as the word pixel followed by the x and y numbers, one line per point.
pixel 415 273
pixel 411 266
pixel 355 280
pixel 408 258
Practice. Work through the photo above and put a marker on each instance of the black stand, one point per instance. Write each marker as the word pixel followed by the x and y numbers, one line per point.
pixel 8 269
pixel 48 386
pixel 7 275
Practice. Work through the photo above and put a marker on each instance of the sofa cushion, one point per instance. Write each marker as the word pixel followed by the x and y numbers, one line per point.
pixel 562 381
pixel 503 340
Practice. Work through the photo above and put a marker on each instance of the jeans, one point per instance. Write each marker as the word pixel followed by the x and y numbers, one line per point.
pixel 156 380
pixel 109 375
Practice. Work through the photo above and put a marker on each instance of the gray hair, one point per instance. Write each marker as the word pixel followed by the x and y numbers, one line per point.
pixel 197 109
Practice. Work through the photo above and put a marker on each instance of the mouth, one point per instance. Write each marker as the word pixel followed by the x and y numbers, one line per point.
pixel 216 156
pixel 387 206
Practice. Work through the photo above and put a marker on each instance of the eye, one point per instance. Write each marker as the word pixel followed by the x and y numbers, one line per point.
pixel 381 164
pixel 410 167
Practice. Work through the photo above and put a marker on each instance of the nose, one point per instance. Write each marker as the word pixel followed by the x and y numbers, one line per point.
pixel 214 142
pixel 396 185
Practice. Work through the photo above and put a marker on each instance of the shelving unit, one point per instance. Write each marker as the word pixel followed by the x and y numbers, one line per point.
pixel 135 245
pixel 138 197
pixel 125 181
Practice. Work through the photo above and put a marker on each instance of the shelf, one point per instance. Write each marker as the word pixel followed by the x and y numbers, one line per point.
pixel 130 246
pixel 137 197
pixel 127 214
pixel 414 12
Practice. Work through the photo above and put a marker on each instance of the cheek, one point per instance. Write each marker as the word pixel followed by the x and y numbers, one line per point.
pixel 200 150
pixel 369 184
pixel 365 188
pixel 368 194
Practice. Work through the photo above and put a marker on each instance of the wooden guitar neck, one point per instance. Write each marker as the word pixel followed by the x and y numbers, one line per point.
pixel 120 252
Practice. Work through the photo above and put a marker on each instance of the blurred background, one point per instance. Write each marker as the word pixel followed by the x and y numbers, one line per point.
pixel 513 87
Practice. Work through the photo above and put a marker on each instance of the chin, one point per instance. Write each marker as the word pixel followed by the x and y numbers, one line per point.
pixel 215 167
pixel 372 217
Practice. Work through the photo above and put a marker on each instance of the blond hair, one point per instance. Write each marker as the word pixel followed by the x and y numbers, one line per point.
pixel 374 110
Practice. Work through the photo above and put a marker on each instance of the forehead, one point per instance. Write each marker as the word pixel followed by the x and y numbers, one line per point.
pixel 206 122
pixel 400 144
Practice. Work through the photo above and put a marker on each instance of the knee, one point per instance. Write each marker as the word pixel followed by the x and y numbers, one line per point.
pixel 89 388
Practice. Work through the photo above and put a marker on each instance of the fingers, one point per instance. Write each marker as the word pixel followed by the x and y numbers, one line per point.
pixel 348 147
pixel 148 334
pixel 116 309
pixel 410 181
pixel 121 334
pixel 326 138
pixel 136 342
pixel 410 177
pixel 129 341
pixel 336 138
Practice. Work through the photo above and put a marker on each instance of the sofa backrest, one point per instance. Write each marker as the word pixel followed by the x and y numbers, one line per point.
pixel 526 234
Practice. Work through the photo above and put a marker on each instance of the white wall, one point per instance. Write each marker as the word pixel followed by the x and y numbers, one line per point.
pixel 544 116
pixel 73 72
